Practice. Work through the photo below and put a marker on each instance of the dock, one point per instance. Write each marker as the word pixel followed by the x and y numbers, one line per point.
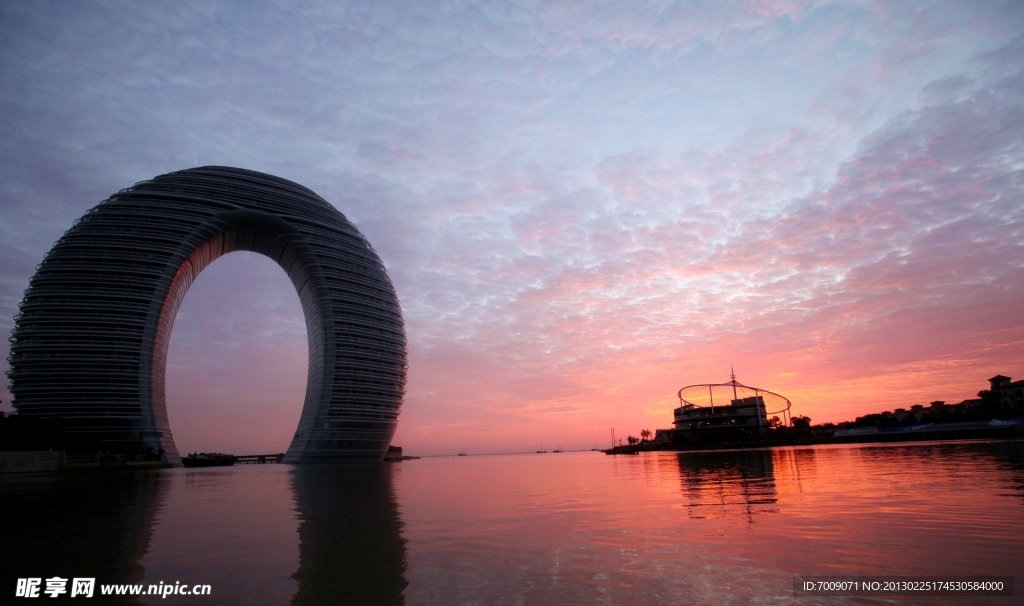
pixel 259 459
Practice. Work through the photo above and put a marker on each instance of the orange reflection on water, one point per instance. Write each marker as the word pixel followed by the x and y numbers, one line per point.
pixel 587 526
pixel 698 527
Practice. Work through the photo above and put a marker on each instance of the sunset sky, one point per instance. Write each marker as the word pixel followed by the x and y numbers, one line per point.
pixel 583 206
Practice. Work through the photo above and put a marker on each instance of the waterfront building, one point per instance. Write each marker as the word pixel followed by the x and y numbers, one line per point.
pixel 89 347
pixel 747 412
pixel 723 412
pixel 1007 392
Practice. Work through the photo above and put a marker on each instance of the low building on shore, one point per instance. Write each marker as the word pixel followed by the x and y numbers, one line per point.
pixel 743 412
pixel 723 412
pixel 1007 392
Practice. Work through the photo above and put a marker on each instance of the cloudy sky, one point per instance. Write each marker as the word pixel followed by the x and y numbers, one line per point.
pixel 583 206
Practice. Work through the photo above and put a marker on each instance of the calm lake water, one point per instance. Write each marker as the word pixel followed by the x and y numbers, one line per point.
pixel 728 527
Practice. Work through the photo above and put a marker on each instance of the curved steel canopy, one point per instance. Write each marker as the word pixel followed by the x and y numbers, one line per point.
pixel 734 384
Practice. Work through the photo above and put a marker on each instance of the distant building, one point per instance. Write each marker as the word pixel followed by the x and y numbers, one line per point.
pixel 742 412
pixel 1007 392
pixel 702 415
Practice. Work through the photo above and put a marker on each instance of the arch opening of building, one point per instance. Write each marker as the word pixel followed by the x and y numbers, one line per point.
pixel 237 360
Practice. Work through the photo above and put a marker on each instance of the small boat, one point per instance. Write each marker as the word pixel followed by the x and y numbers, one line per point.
pixel 208 459
pixel 463 454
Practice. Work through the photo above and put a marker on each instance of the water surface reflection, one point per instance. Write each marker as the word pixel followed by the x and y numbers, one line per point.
pixel 351 549
pixel 82 524
pixel 724 483
pixel 704 527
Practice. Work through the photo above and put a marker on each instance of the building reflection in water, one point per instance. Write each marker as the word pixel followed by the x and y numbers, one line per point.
pixel 793 467
pixel 1010 455
pixel 726 483
pixel 351 548
pixel 83 524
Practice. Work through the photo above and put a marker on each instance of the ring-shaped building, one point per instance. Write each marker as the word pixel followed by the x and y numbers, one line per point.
pixel 89 347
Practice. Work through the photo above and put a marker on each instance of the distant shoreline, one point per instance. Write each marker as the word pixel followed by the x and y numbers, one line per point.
pixel 936 432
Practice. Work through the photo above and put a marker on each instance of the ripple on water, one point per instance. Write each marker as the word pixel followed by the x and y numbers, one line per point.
pixel 726 527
